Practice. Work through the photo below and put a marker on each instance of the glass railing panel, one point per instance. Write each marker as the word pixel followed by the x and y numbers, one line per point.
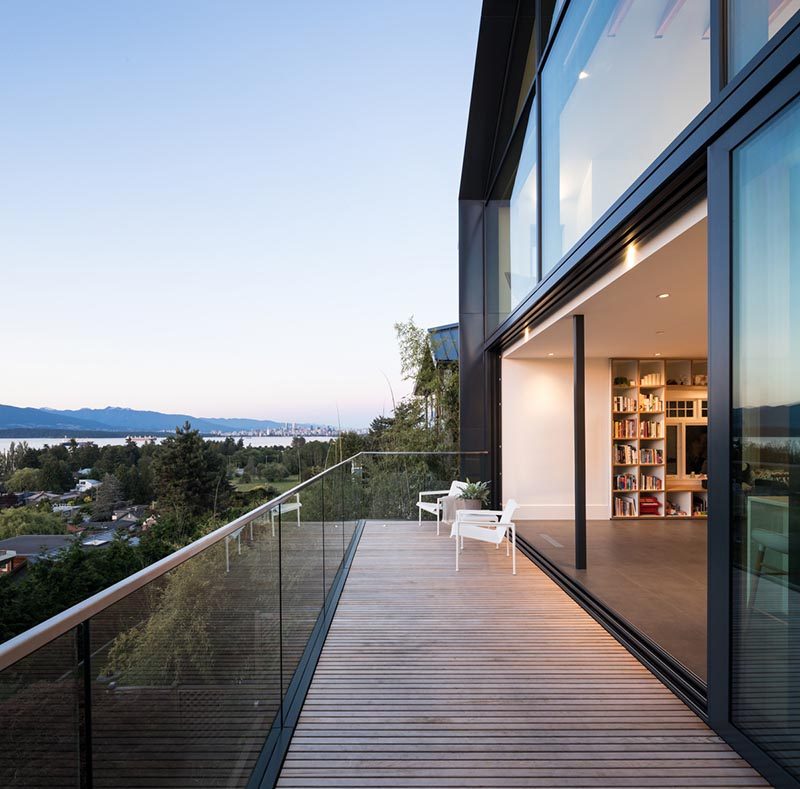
pixel 186 670
pixel 351 496
pixel 333 528
pixel 40 702
pixel 302 573
pixel 392 482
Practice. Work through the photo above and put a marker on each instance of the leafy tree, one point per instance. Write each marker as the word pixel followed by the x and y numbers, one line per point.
pixel 272 472
pixel 108 496
pixel 54 583
pixel 55 475
pixel 23 479
pixel 26 520
pixel 11 459
pixel 189 475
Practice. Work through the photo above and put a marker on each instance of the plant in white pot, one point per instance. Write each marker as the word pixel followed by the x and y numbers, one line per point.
pixel 474 495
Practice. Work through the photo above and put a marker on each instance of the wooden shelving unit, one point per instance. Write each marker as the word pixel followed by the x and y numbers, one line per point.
pixel 639 484
pixel 638 388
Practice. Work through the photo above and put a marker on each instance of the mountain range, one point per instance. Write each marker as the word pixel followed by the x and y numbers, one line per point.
pixel 120 420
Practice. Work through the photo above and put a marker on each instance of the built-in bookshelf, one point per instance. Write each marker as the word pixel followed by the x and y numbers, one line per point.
pixel 640 392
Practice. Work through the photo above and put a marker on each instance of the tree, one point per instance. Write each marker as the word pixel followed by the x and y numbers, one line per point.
pixel 109 494
pixel 272 472
pixel 26 520
pixel 23 479
pixel 189 475
pixel 55 475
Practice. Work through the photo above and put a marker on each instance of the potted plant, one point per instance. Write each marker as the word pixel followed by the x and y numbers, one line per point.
pixel 474 495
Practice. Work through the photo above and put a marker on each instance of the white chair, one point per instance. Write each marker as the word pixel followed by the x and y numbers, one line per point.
pixel 435 507
pixel 285 509
pixel 487 526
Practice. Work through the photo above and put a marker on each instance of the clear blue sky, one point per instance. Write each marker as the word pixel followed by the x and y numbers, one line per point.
pixel 221 207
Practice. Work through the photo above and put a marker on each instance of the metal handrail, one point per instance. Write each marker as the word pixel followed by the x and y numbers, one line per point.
pixel 36 637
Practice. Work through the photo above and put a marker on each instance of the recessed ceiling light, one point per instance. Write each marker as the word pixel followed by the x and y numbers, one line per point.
pixel 658 354
pixel 583 75
pixel 663 295
pixel 551 354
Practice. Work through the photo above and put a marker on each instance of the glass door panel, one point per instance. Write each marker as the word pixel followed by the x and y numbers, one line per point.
pixel 765 438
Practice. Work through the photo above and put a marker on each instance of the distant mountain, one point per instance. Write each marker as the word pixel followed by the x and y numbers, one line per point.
pixel 116 420
pixel 772 421
pixel 12 417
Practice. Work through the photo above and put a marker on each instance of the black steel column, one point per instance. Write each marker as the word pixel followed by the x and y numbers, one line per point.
pixel 579 420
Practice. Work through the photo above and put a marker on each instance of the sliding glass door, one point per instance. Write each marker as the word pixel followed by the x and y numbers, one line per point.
pixel 763 450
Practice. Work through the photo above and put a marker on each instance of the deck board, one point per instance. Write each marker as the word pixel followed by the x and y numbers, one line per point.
pixel 430 677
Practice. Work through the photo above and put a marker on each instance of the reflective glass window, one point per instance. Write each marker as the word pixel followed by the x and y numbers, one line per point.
pixel 751 23
pixel 623 79
pixel 765 427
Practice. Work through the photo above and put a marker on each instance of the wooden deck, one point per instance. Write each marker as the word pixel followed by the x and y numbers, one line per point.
pixel 430 678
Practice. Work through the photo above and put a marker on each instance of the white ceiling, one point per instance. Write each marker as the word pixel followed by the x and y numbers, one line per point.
pixel 622 319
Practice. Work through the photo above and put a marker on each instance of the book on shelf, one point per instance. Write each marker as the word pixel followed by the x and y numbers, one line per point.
pixel 651 429
pixel 650 456
pixel 625 482
pixel 624 506
pixel 620 403
pixel 648 403
pixel 625 454
pixel 625 428
pixel 650 482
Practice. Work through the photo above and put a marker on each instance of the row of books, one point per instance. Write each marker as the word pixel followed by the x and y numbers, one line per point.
pixel 625 482
pixel 625 428
pixel 649 482
pixel 624 506
pixel 650 456
pixel 650 403
pixel 625 454
pixel 620 403
pixel 648 429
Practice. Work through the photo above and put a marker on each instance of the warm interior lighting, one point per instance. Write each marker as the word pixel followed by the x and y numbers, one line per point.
pixel 658 354
pixel 551 354
pixel 583 75
pixel 527 332
pixel 630 256
pixel 663 295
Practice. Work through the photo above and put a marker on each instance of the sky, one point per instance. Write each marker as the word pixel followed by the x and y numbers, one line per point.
pixel 221 207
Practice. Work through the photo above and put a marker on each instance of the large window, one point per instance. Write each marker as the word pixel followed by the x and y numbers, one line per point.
pixel 765 426
pixel 624 77
pixel 751 23
pixel 524 243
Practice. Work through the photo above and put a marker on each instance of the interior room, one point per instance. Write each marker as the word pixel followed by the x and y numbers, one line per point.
pixel 646 396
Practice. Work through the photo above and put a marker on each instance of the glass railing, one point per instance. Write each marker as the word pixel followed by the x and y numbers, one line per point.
pixel 192 672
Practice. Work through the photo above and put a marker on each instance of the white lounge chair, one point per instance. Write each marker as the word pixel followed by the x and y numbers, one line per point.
pixel 435 507
pixel 487 526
